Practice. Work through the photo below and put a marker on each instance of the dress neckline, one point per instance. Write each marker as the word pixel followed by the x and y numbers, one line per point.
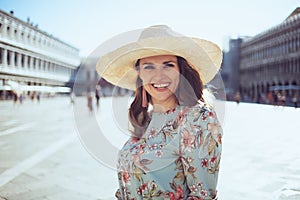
pixel 170 111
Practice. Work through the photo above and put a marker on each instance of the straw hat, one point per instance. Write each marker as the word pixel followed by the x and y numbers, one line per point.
pixel 118 65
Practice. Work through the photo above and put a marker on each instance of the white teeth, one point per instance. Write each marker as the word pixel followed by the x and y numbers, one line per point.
pixel 163 85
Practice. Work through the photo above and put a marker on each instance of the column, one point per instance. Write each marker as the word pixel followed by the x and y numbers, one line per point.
pixel 25 62
pixel 4 60
pixel 46 66
pixel 31 63
pixel 19 63
pixel 12 58
pixel 42 65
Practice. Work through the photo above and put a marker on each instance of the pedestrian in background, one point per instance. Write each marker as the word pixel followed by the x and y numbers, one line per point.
pixel 237 97
pixel 21 98
pixel 90 102
pixel 97 95
pixel 174 151
pixel 270 99
pixel 15 98
pixel 72 98
pixel 295 100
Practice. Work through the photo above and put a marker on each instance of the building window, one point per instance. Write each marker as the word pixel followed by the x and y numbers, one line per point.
pixel 8 58
pixel 34 63
pixel 28 61
pixel 1 54
pixel 22 60
pixel 16 58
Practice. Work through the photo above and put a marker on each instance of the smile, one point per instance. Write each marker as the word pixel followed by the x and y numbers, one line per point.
pixel 161 85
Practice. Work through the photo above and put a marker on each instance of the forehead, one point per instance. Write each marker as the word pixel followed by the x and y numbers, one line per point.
pixel 158 59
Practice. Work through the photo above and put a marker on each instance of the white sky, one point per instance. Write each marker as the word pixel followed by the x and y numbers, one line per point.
pixel 85 24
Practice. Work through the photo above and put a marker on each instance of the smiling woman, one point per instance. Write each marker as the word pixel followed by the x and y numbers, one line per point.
pixel 174 150
pixel 160 77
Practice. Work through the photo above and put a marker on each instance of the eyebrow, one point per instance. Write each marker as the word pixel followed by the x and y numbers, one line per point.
pixel 166 62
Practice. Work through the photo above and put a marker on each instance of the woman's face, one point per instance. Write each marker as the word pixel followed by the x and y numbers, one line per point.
pixel 160 76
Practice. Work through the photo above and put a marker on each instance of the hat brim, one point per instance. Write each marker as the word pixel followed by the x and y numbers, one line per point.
pixel 118 66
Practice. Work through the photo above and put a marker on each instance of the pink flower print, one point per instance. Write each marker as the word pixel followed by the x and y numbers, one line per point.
pixel 134 139
pixel 179 194
pixel 214 129
pixel 204 162
pixel 188 140
pixel 152 133
pixel 204 193
pixel 125 176
pixel 152 147
pixel 211 114
pixel 159 153
pixel 140 148
pixel 180 116
pixel 161 146
pixel 194 189
pixel 189 159
pixel 141 189
pixel 204 117
pixel 200 184
pixel 194 198
pixel 213 159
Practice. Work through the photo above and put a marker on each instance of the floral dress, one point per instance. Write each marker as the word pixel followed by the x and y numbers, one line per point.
pixel 177 158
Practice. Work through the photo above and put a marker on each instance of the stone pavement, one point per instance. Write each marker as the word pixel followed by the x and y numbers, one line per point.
pixel 41 156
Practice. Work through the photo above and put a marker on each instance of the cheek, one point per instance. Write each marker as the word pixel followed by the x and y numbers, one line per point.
pixel 145 80
pixel 145 77
pixel 176 77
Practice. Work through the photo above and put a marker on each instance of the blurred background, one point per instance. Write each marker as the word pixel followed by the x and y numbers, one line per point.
pixel 47 66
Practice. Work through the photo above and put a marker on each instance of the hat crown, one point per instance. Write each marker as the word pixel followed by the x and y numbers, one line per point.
pixel 157 31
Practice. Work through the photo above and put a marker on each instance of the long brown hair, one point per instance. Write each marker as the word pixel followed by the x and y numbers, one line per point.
pixel 188 93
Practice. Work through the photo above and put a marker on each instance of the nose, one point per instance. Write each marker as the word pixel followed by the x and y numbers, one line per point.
pixel 159 74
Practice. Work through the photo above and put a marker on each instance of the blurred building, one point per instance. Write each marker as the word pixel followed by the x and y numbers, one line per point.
pixel 230 67
pixel 87 79
pixel 32 61
pixel 267 62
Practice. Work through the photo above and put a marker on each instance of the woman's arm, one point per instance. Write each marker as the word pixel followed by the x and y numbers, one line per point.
pixel 201 146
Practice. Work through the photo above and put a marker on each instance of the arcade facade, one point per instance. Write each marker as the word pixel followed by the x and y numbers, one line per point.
pixel 32 61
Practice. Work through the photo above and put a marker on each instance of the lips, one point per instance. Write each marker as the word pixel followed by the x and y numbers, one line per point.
pixel 161 85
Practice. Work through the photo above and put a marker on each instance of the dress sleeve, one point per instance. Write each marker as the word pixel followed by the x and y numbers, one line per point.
pixel 201 146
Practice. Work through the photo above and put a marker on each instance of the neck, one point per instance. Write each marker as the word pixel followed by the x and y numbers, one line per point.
pixel 165 105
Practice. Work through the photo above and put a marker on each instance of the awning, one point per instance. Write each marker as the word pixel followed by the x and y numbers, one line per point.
pixel 5 87
pixel 285 87
pixel 12 85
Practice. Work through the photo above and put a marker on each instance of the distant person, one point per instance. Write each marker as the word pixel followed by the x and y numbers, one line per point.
pixel 276 95
pixel 295 100
pixel 90 102
pixel 237 97
pixel 175 146
pixel 270 99
pixel 97 95
pixel 15 98
pixel 38 97
pixel 32 96
pixel 21 98
pixel 72 98
pixel 281 98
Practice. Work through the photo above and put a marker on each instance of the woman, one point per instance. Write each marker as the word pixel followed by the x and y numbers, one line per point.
pixel 175 147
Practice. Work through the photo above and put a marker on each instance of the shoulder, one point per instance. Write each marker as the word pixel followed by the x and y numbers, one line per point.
pixel 201 112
